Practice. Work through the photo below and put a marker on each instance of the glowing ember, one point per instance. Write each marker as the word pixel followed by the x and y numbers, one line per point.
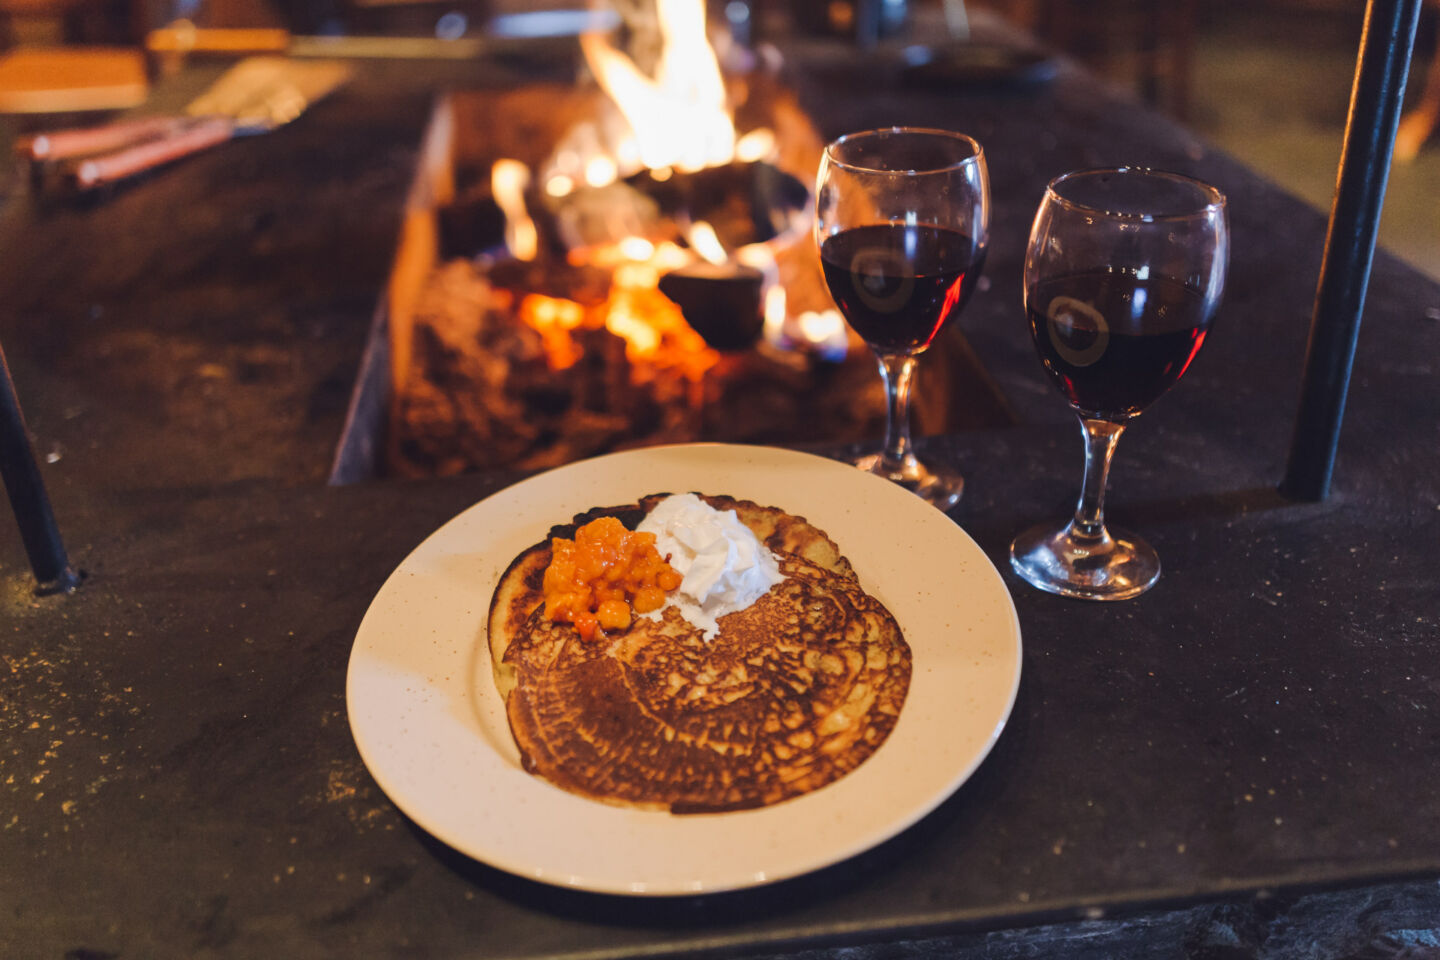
pixel 654 330
pixel 553 318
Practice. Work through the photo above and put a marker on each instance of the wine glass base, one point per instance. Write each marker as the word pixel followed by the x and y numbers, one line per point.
pixel 1116 566
pixel 937 486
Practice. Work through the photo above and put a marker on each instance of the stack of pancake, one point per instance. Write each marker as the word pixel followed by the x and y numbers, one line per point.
pixel 794 692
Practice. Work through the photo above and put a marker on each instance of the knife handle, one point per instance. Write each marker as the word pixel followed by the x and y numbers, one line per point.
pixel 197 136
pixel 78 141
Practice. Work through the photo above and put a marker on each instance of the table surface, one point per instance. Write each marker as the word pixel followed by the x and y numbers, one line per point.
pixel 177 776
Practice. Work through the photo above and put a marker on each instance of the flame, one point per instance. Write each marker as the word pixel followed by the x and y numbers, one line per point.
pixel 704 241
pixel 758 144
pixel 820 331
pixel 640 260
pixel 680 117
pixel 636 248
pixel 508 180
pixel 821 326
pixel 601 170
pixel 776 310
pixel 677 120
pixel 628 317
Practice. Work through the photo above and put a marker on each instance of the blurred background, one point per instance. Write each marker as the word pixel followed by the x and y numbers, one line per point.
pixel 1266 80
pixel 1269 82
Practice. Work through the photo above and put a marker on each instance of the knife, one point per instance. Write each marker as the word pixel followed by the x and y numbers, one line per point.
pixel 256 95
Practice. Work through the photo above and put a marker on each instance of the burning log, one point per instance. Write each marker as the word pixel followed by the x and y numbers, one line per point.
pixel 722 302
pixel 743 202
pixel 484 392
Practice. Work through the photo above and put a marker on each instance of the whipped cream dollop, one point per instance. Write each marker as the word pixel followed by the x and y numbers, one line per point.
pixel 724 565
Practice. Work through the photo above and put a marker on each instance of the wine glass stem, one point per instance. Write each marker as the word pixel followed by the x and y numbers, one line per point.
pixel 1101 436
pixel 898 372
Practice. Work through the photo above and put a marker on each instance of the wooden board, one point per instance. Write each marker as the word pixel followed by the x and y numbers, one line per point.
pixel 57 80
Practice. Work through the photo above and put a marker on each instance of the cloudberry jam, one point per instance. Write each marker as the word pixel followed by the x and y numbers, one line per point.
pixel 596 580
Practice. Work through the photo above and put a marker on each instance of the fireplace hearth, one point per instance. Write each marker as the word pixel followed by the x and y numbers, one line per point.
pixel 539 314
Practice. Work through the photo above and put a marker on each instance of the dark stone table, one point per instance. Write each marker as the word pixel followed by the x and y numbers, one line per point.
pixel 1241 763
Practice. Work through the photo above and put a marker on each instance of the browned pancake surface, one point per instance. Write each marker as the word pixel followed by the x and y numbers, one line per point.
pixel 794 692
pixel 520 591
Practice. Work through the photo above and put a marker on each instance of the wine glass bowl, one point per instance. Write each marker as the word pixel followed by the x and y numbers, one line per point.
pixel 1123 273
pixel 902 225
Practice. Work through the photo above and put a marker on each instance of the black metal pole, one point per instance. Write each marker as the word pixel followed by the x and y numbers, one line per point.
pixel 1375 101
pixel 28 499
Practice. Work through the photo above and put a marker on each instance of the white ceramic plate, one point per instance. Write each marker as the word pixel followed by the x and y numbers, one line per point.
pixel 431 727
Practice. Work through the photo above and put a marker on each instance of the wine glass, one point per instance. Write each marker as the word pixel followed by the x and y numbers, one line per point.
pixel 1123 273
pixel 902 222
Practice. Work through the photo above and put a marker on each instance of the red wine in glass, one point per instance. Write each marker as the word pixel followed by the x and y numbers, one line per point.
pixel 1124 270
pixel 902 220
pixel 1112 342
pixel 898 284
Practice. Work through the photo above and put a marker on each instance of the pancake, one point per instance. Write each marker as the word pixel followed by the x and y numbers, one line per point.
pixel 794 692
pixel 791 694
pixel 520 592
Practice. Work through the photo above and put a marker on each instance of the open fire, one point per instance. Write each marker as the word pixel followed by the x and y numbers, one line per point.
pixel 673 124
pixel 646 276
